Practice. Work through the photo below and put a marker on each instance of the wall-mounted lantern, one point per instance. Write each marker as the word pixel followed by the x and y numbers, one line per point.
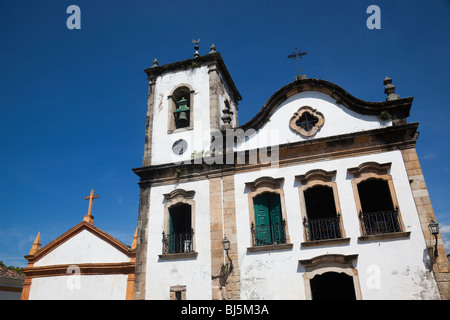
pixel 434 229
pixel 226 247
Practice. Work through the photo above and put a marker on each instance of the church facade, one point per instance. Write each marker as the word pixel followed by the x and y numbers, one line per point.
pixel 320 195
pixel 318 191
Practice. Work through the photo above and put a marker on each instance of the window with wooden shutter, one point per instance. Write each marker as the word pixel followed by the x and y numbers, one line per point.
pixel 269 227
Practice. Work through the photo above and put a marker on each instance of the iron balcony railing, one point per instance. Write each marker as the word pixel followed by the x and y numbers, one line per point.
pixel 178 242
pixel 263 235
pixel 380 222
pixel 323 229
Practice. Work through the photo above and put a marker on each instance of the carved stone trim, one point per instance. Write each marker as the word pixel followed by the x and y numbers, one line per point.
pixel 329 258
pixel 370 167
pixel 326 242
pixel 313 112
pixel 265 182
pixel 338 263
pixel 385 236
pixel 179 192
pixel 180 255
pixel 316 174
pixel 271 247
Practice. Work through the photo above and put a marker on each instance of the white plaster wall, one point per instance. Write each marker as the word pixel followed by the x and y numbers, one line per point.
pixel 194 273
pixel 338 120
pixel 83 248
pixel 79 287
pixel 400 263
pixel 199 137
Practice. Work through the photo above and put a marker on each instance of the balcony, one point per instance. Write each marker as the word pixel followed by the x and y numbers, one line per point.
pixel 380 222
pixel 269 237
pixel 323 231
pixel 381 225
pixel 178 245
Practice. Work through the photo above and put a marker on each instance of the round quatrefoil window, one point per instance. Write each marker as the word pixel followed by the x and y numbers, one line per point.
pixel 307 121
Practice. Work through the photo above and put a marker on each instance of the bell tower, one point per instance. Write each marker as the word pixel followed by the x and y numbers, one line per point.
pixel 187 101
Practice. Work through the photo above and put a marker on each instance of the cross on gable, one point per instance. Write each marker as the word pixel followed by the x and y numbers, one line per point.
pixel 296 55
pixel 91 198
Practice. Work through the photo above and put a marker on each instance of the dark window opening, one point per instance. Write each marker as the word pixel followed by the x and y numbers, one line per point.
pixel 307 121
pixel 375 196
pixel 179 238
pixel 269 226
pixel 322 221
pixel 377 214
pixel 180 218
pixel 332 286
pixel 320 202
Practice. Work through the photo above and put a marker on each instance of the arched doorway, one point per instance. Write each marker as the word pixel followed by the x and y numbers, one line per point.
pixel 332 286
pixel 331 276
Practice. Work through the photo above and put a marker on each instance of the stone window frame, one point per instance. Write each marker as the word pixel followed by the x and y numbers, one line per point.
pixel 171 199
pixel 330 263
pixel 375 170
pixel 172 105
pixel 313 178
pixel 297 115
pixel 177 289
pixel 258 187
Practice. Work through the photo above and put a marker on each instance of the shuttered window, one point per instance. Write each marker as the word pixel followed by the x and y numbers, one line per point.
pixel 269 225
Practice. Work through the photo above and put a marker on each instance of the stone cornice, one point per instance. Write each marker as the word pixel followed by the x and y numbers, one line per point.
pixel 82 268
pixel 207 59
pixel 358 143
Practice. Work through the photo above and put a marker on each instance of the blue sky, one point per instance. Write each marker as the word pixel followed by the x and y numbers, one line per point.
pixel 73 102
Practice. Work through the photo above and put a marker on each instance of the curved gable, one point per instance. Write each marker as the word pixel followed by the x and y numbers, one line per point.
pixel 398 109
pixel 329 109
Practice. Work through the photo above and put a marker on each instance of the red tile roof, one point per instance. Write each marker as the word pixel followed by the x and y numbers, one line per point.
pixel 10 274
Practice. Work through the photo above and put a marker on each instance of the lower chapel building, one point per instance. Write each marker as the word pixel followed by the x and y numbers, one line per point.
pixel 319 196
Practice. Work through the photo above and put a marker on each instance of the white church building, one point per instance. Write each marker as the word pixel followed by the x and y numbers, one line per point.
pixel 319 196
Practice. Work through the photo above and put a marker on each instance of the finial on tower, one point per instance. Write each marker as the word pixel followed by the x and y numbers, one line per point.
pixel 196 54
pixel 134 244
pixel 36 244
pixel 389 89
pixel 212 48
pixel 155 63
